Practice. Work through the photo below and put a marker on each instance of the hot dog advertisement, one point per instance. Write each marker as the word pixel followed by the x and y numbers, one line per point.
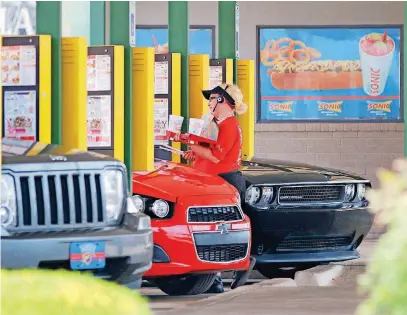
pixel 329 73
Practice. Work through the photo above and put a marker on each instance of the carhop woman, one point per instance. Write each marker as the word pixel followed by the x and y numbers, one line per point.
pixel 224 159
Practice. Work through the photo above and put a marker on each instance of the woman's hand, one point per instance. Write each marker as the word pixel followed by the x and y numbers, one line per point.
pixel 206 153
pixel 189 155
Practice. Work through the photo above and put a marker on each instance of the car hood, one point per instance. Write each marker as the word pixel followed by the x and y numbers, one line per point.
pixel 262 171
pixel 171 181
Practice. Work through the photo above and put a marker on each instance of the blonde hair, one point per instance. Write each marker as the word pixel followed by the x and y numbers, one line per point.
pixel 234 91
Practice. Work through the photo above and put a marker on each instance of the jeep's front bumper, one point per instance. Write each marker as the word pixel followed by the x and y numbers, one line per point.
pixel 128 250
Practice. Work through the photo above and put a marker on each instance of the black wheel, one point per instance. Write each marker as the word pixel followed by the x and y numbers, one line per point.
pixel 271 271
pixel 186 285
pixel 135 285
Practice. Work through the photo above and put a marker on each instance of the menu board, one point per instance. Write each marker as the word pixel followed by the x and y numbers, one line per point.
pixel 215 76
pixel 161 114
pixel 99 72
pixel 20 115
pixel 161 77
pixel 18 66
pixel 99 121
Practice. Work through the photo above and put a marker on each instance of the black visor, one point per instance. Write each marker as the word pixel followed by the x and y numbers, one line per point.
pixel 219 90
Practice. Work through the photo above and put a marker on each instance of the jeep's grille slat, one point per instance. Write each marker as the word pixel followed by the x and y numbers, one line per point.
pixel 222 253
pixel 94 201
pixel 60 209
pixel 33 201
pixel 46 205
pixel 214 214
pixel 60 200
pixel 71 198
pixel 311 194
pixel 82 196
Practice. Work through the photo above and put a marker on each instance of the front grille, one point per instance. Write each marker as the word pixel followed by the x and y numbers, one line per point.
pixel 311 194
pixel 222 253
pixel 214 214
pixel 60 200
pixel 315 243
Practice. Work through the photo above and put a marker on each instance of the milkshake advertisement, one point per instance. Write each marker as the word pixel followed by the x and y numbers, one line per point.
pixel 329 73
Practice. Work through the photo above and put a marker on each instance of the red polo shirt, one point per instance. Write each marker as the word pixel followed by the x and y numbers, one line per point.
pixel 228 150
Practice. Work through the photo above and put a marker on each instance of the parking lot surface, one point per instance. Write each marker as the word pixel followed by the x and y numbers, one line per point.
pixel 329 289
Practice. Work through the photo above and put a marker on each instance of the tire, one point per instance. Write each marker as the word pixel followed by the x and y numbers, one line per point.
pixel 135 285
pixel 270 271
pixel 186 285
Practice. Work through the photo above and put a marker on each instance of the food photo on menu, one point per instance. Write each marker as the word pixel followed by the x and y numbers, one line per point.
pixel 329 73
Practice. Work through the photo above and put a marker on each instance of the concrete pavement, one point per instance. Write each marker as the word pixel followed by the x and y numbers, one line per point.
pixel 329 289
pixel 269 297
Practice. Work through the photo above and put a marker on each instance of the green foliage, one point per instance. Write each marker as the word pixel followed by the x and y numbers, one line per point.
pixel 385 279
pixel 41 292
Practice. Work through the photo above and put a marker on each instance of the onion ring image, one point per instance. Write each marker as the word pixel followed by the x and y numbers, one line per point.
pixel 301 55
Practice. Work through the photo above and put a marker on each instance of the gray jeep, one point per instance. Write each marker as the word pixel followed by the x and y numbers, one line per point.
pixel 63 208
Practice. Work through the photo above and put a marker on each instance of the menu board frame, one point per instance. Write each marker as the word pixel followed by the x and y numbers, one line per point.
pixel 160 58
pixel 24 41
pixel 104 51
pixel 218 63
pixel 348 29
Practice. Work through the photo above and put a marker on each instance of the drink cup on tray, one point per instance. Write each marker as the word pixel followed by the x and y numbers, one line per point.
pixel 175 125
pixel 196 126
pixel 376 52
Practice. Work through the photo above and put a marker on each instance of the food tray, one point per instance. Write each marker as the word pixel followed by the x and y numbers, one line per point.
pixel 187 138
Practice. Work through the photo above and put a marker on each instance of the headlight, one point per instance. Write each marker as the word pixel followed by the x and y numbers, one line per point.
pixel 267 194
pixel 160 208
pixel 252 195
pixel 350 192
pixel 138 204
pixel 112 183
pixel 361 191
pixel 8 205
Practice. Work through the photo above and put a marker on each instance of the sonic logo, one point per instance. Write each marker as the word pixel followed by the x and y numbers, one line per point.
pixel 379 106
pixel 331 107
pixel 87 251
pixel 87 258
pixel 282 107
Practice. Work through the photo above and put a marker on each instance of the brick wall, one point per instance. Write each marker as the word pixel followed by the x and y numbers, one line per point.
pixel 356 148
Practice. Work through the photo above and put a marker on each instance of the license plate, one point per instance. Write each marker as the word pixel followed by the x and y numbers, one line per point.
pixel 87 255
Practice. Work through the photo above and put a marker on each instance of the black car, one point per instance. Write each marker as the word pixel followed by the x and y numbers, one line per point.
pixel 303 215
pixel 63 208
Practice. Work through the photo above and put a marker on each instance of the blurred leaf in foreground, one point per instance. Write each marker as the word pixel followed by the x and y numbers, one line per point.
pixel 43 292
pixel 385 280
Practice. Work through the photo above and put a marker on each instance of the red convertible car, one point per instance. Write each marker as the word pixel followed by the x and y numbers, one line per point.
pixel 198 225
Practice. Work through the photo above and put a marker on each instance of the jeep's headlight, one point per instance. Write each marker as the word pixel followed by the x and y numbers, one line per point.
pixel 350 190
pixel 361 191
pixel 8 203
pixel 252 195
pixel 112 183
pixel 160 208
